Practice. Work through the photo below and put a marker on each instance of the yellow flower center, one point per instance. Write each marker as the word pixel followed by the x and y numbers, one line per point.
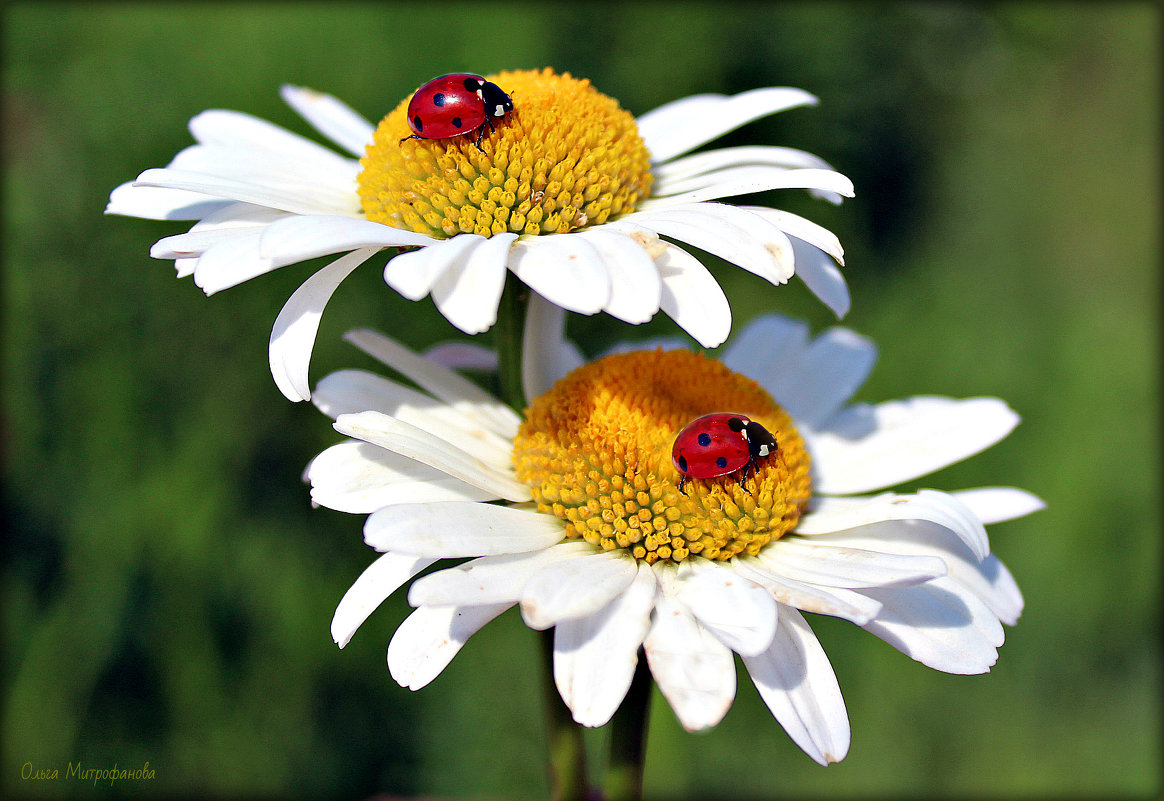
pixel 565 157
pixel 596 452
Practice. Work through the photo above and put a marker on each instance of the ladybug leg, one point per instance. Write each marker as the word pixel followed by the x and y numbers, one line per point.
pixel 682 482
pixel 481 132
pixel 744 474
pixel 414 136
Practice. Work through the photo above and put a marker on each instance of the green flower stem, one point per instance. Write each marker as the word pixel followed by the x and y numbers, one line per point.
pixel 567 751
pixel 507 333
pixel 566 746
pixel 628 739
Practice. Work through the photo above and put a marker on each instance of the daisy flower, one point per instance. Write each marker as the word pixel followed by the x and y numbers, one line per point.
pixel 595 539
pixel 570 193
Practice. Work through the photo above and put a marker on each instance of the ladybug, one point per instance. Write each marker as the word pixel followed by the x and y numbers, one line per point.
pixel 719 444
pixel 456 104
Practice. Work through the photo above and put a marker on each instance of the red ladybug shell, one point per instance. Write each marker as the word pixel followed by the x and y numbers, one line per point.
pixel 455 104
pixel 712 445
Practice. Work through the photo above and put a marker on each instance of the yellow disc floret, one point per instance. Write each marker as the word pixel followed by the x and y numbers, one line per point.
pixel 565 157
pixel 596 452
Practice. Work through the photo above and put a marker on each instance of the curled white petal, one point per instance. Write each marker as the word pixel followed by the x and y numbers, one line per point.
pixel 382 578
pixel 293 335
pixel 827 515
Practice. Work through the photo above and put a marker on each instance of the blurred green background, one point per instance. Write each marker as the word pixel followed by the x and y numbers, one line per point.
pixel 168 589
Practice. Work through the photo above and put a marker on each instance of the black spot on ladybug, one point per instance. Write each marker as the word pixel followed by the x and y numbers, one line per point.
pixel 704 439
pixel 721 463
pixel 438 99
pixel 736 424
pixel 683 464
pixel 457 122
pixel 472 84
pixel 417 125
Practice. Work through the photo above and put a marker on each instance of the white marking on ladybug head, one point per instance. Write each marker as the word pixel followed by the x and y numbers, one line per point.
pixel 499 110
pixel 763 450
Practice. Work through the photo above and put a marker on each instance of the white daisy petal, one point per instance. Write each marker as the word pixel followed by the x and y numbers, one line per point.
pixel 455 528
pixel 579 587
pixel 987 578
pixel 546 354
pixel 836 601
pixel 382 578
pixel 821 276
pixel 359 478
pixel 996 504
pixel 331 117
pixel 769 345
pixel 851 568
pixel 298 201
pixel 231 261
pixel 185 267
pixel 157 203
pixel 245 132
pixel 748 180
pixel 415 443
pixel 293 335
pixel 564 269
pixel 635 285
pixel 467 293
pixel 595 656
pixel 355 391
pixel 458 391
pixel 327 179
pixel 685 124
pixel 413 274
pixel 826 516
pixel 491 579
pixel 305 236
pixel 797 683
pixel 463 356
pixel 692 298
pixel 225 224
pixel 811 380
pixel 749 155
pixel 741 614
pixel 735 235
pixel 693 669
pixel 430 637
pixel 940 624
pixel 871 447
pixel 811 233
